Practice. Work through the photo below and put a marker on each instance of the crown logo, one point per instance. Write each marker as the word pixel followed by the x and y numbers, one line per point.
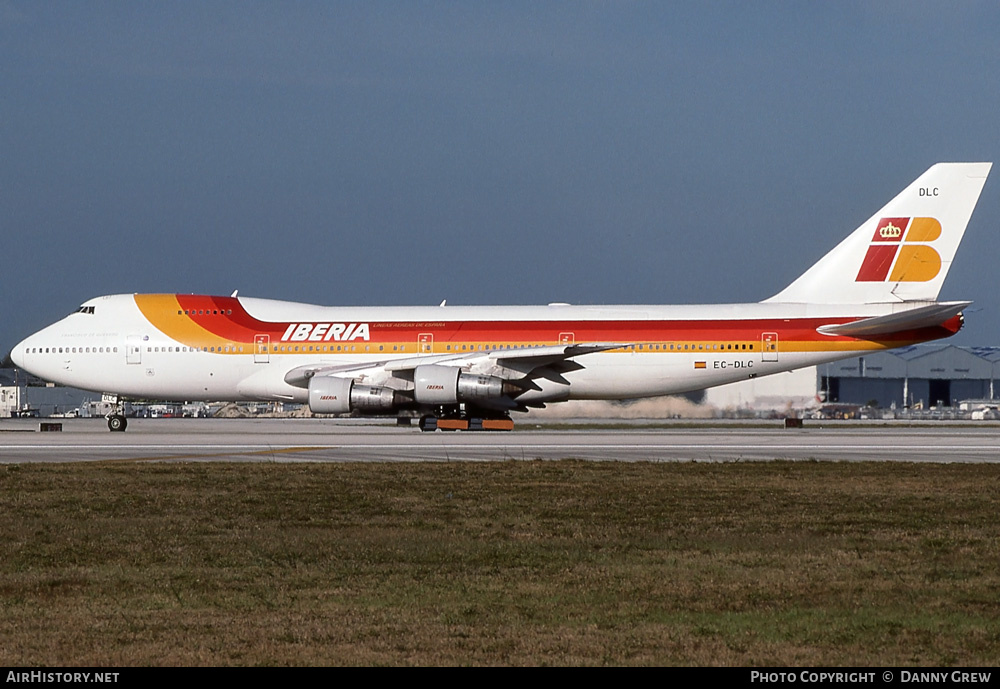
pixel 890 231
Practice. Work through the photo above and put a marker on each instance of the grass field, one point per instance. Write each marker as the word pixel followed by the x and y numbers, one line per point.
pixel 500 563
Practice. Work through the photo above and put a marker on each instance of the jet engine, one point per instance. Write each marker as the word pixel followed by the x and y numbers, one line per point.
pixel 330 395
pixel 433 386
pixel 438 385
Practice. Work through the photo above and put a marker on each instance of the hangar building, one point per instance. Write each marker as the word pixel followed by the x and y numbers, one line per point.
pixel 919 376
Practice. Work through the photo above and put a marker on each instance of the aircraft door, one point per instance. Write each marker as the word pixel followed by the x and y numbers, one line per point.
pixel 425 343
pixel 261 349
pixel 566 338
pixel 769 346
pixel 133 349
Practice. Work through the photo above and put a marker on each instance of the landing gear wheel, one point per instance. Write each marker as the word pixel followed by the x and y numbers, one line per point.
pixel 117 423
pixel 466 420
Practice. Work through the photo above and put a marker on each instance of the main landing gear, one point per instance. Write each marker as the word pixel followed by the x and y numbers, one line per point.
pixel 117 423
pixel 462 420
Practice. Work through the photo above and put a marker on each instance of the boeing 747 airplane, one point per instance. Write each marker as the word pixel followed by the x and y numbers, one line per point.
pixel 875 290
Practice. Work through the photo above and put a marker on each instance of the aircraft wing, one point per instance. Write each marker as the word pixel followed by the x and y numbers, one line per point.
pixel 921 317
pixel 300 375
pixel 527 360
pixel 518 363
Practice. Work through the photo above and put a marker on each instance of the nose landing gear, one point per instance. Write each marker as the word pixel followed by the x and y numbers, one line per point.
pixel 117 423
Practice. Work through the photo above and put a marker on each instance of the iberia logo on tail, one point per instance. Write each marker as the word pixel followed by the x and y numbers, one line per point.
pixel 902 244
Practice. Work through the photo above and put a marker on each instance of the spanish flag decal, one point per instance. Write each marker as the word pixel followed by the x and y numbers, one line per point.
pixel 699 364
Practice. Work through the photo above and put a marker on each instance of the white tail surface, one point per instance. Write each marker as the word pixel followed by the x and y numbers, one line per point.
pixel 903 252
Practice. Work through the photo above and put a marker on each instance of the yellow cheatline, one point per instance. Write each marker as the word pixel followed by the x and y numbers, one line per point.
pixel 161 311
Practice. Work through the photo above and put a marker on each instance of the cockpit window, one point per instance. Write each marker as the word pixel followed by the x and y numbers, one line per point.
pixel 85 309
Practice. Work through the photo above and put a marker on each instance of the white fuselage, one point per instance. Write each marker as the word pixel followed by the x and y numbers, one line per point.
pixel 150 346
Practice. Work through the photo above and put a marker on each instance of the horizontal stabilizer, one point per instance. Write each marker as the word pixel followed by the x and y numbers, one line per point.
pixel 921 317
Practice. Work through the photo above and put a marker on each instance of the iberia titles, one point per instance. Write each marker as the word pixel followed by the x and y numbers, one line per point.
pixel 325 332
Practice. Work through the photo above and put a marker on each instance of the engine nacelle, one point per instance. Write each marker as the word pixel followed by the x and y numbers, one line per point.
pixel 329 395
pixel 449 385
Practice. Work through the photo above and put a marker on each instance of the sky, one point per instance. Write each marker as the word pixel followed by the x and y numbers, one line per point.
pixel 380 153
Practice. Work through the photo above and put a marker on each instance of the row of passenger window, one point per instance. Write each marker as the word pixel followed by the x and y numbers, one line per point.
pixel 665 347
pixel 701 346
pixel 206 312
pixel 234 349
pixel 228 349
pixel 70 350
pixel 278 349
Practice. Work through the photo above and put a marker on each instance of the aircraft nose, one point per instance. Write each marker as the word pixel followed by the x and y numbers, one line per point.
pixel 15 356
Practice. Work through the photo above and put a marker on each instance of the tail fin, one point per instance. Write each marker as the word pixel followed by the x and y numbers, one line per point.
pixel 903 252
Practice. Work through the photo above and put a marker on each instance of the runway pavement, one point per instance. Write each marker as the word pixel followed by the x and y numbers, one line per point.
pixel 326 440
